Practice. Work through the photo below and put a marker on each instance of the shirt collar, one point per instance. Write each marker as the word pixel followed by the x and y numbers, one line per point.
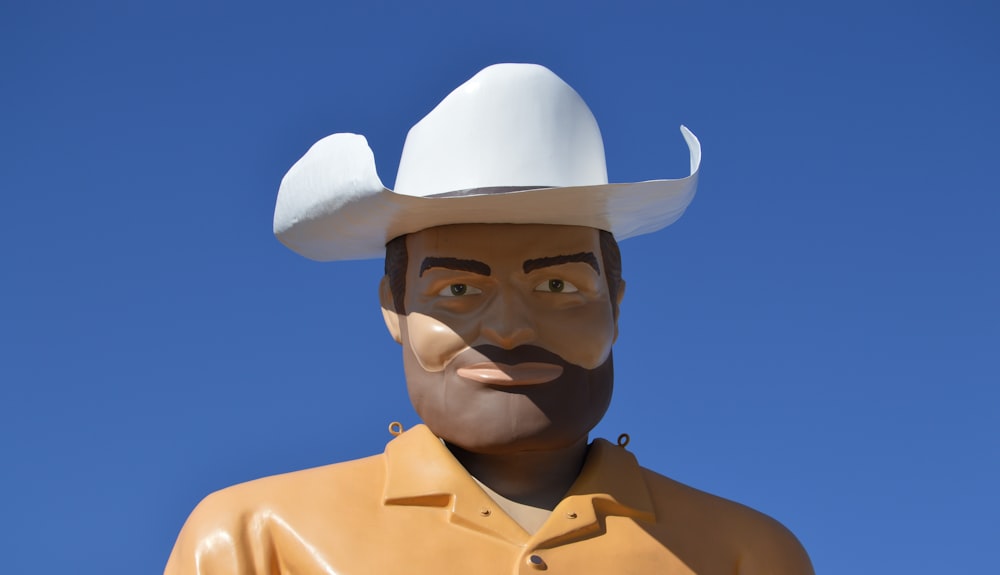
pixel 420 471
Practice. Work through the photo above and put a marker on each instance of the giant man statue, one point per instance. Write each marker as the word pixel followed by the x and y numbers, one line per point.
pixel 503 284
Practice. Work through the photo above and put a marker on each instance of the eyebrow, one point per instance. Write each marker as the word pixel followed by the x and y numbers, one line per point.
pixel 474 266
pixel 582 257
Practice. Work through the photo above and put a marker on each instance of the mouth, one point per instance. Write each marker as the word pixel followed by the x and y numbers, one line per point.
pixel 501 374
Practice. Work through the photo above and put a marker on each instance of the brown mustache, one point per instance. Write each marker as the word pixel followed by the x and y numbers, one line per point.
pixel 520 354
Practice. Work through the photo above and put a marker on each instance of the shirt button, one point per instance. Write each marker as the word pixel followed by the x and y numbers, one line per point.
pixel 537 562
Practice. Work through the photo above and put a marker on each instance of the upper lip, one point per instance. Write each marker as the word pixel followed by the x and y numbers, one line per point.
pixel 525 373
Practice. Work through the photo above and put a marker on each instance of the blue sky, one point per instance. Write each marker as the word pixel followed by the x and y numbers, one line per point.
pixel 817 337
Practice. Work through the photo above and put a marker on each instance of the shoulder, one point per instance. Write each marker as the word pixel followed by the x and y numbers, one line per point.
pixel 708 527
pixel 229 524
pixel 314 485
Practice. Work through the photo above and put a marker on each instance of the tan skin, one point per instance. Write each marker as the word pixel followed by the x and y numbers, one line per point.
pixel 507 348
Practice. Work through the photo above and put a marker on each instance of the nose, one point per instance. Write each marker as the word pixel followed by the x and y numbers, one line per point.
pixel 507 322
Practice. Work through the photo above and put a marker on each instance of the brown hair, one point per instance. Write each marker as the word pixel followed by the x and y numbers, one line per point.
pixel 396 257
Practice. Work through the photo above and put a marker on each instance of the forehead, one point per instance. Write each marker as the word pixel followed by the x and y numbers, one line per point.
pixel 497 242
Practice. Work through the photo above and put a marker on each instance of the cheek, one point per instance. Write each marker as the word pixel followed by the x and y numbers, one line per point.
pixel 433 343
pixel 583 338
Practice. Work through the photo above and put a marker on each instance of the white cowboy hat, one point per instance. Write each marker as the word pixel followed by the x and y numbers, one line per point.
pixel 514 144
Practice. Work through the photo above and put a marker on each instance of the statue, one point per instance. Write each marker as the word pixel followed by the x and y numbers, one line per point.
pixel 502 285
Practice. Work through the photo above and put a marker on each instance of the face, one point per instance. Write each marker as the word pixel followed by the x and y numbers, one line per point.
pixel 507 334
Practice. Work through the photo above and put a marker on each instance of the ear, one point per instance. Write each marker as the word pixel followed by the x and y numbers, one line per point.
pixel 618 305
pixel 389 309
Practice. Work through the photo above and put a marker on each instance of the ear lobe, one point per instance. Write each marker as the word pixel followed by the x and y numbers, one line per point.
pixel 389 314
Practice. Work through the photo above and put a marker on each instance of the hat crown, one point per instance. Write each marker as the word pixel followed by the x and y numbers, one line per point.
pixel 510 125
pixel 515 129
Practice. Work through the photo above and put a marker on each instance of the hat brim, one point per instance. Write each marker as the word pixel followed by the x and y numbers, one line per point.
pixel 342 212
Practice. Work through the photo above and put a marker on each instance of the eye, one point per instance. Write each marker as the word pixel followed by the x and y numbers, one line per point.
pixel 455 290
pixel 556 286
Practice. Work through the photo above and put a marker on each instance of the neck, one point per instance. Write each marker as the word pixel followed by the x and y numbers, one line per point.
pixel 537 479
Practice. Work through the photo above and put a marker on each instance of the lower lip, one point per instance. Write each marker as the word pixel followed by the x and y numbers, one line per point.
pixel 529 373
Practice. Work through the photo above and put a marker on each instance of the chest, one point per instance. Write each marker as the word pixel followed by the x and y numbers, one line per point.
pixel 422 540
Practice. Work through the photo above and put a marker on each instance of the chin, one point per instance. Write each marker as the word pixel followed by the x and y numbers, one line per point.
pixel 516 433
pixel 488 420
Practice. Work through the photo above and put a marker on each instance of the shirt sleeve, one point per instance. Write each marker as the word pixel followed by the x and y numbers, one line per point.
pixel 220 538
pixel 774 550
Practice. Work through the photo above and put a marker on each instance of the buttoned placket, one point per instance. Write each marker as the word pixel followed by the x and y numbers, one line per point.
pixel 433 481
pixel 573 519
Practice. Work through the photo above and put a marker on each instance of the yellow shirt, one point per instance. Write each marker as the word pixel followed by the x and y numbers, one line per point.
pixel 414 509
